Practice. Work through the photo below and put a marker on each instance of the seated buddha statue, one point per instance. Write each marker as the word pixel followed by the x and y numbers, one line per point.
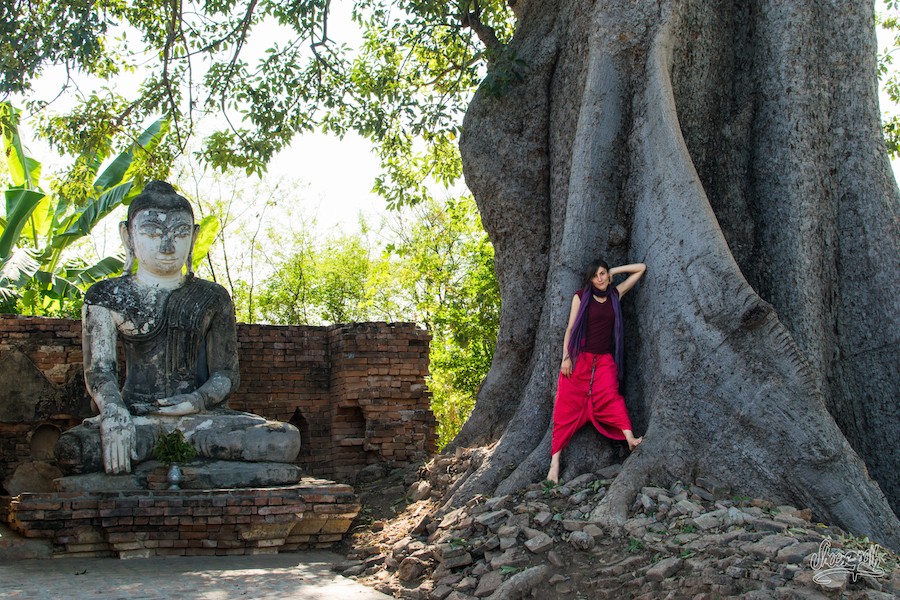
pixel 180 348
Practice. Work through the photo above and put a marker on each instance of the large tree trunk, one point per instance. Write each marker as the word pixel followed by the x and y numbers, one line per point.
pixel 735 148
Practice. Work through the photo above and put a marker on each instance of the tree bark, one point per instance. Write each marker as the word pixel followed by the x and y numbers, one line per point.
pixel 736 149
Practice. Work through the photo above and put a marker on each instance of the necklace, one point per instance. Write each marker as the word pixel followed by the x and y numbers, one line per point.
pixel 599 299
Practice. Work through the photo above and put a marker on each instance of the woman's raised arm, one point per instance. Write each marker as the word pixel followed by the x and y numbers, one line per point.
pixel 636 271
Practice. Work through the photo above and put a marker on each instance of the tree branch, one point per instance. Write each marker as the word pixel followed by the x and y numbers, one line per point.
pixel 485 33
pixel 239 45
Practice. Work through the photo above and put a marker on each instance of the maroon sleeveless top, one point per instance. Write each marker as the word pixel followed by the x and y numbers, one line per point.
pixel 601 320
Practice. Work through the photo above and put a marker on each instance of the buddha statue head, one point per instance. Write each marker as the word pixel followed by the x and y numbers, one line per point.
pixel 160 233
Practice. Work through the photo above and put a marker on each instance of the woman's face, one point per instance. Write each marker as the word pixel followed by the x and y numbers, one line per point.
pixel 600 280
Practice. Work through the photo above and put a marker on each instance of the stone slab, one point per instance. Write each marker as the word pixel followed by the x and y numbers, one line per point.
pixel 197 475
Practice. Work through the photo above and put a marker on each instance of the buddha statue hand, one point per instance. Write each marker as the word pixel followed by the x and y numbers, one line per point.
pixel 180 405
pixel 117 436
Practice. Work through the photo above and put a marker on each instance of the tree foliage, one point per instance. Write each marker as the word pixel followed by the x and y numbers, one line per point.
pixel 889 22
pixel 265 70
pixel 448 271
pixel 340 280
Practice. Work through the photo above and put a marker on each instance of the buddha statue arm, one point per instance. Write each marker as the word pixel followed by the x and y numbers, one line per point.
pixel 117 435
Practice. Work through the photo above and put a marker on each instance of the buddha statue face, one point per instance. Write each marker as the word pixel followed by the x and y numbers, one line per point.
pixel 162 240
pixel 160 233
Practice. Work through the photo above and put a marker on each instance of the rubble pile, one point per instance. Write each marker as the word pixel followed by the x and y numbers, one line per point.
pixel 685 541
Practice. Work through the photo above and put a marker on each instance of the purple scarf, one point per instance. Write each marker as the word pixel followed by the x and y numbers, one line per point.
pixel 579 328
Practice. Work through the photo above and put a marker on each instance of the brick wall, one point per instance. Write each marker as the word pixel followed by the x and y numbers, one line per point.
pixel 311 514
pixel 356 392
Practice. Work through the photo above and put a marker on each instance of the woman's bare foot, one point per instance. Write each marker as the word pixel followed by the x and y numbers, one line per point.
pixel 553 473
pixel 633 442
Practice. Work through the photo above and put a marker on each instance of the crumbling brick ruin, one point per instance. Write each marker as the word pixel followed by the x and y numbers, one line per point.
pixel 357 392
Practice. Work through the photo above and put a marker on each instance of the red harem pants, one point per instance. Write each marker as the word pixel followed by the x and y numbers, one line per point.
pixel 590 393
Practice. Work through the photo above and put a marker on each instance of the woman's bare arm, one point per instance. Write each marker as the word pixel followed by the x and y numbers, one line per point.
pixel 635 271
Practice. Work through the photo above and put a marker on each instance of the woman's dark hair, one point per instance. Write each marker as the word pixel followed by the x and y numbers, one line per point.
pixel 592 270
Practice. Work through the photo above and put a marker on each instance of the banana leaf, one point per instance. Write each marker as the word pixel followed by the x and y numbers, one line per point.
pixel 23 171
pixel 40 223
pixel 209 229
pixel 20 204
pixel 117 170
pixel 108 267
pixel 84 221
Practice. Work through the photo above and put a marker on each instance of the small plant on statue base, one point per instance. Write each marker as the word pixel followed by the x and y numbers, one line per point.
pixel 173 449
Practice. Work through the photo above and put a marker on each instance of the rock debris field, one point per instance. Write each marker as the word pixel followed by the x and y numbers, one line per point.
pixel 688 541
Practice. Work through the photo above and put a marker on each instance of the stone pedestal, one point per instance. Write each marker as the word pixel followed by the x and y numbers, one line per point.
pixel 197 475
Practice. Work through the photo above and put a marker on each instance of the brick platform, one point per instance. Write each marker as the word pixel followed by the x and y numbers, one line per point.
pixel 312 514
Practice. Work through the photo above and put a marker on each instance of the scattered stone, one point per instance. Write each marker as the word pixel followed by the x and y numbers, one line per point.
pixel 653 492
pixel 420 490
pixel 488 584
pixel 440 592
pixel 541 543
pixel 497 502
pixel 511 558
pixel 507 542
pixel 735 516
pixel 790 520
pixel 467 583
pixel 374 560
pixel 637 526
pixel 573 524
pixel 664 569
pixel 736 572
pixel 456 595
pixel 543 518
pixel 796 554
pixel 354 570
pixel 457 561
pixel 768 525
pixel 832 583
pixel 581 541
pixel 508 531
pixel 714 486
pixel 761 503
pixel 710 520
pixel 702 493
pixel 687 507
pixel 450 519
pixel 555 559
pixel 493 519
pixel 411 569
pixel 769 546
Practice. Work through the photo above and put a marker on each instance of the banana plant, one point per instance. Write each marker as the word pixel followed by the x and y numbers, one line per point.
pixel 39 227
